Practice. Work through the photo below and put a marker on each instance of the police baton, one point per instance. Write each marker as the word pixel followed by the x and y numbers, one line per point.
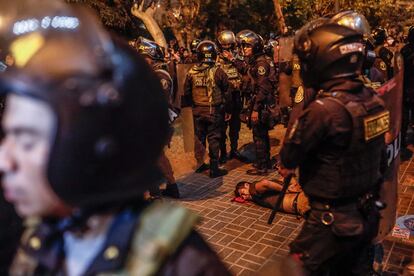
pixel 286 183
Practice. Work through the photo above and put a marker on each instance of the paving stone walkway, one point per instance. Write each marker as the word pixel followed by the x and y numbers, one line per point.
pixel 240 233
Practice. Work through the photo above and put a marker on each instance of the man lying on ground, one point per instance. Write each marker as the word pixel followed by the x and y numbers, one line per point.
pixel 266 192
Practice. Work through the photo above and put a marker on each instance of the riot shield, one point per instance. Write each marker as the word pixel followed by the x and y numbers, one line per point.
pixel 391 92
pixel 285 51
pixel 186 117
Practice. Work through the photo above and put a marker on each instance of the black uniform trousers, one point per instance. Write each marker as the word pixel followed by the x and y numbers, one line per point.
pixel 208 125
pixel 234 125
pixel 262 144
pixel 342 248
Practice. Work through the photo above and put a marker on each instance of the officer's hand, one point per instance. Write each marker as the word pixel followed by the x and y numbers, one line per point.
pixel 255 117
pixel 285 172
pixel 228 55
pixel 227 117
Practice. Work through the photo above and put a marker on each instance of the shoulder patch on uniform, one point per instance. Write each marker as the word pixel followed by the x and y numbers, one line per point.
pixel 383 67
pixel 261 70
pixel 376 125
pixel 299 95
pixel 164 84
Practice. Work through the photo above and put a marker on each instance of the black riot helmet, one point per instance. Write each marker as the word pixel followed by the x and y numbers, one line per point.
pixel 111 113
pixel 207 51
pixel 359 23
pixel 150 49
pixel 328 51
pixel 226 40
pixel 248 37
pixel 194 44
pixel 410 37
pixel 379 35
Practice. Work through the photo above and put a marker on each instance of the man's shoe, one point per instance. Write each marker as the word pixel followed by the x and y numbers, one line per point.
pixel 256 171
pixel 171 191
pixel 217 172
pixel 202 168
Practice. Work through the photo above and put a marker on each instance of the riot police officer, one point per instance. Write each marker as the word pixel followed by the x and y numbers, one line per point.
pixel 262 73
pixel 373 76
pixel 193 48
pixel 408 95
pixel 79 151
pixel 337 151
pixel 384 56
pixel 226 41
pixel 154 55
pixel 206 89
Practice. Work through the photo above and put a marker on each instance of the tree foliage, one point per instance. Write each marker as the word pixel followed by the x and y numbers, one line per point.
pixel 378 12
pixel 188 19
pixel 115 15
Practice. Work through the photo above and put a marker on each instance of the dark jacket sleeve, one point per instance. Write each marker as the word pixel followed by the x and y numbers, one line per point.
pixel 194 258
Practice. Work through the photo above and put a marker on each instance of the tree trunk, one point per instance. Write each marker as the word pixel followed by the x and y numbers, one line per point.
pixel 179 36
pixel 280 18
pixel 150 23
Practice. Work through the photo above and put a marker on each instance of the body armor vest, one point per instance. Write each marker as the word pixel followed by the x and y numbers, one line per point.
pixel 333 173
pixel 272 77
pixel 272 73
pixel 204 89
pixel 233 75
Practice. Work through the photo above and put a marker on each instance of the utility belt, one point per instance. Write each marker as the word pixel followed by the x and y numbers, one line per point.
pixel 328 209
pixel 208 109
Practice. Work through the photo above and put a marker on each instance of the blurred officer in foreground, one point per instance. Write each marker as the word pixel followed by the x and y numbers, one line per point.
pixel 408 97
pixel 85 122
pixel 262 73
pixel 154 55
pixel 227 45
pixel 338 145
pixel 206 90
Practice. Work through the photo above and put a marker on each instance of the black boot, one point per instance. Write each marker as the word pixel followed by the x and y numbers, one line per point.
pixel 215 171
pixel 223 157
pixel 171 191
pixel 203 167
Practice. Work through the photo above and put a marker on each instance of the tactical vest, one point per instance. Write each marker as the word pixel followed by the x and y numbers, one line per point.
pixel 233 75
pixel 355 170
pixel 204 89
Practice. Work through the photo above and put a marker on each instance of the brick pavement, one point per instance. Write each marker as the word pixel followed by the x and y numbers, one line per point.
pixel 240 233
